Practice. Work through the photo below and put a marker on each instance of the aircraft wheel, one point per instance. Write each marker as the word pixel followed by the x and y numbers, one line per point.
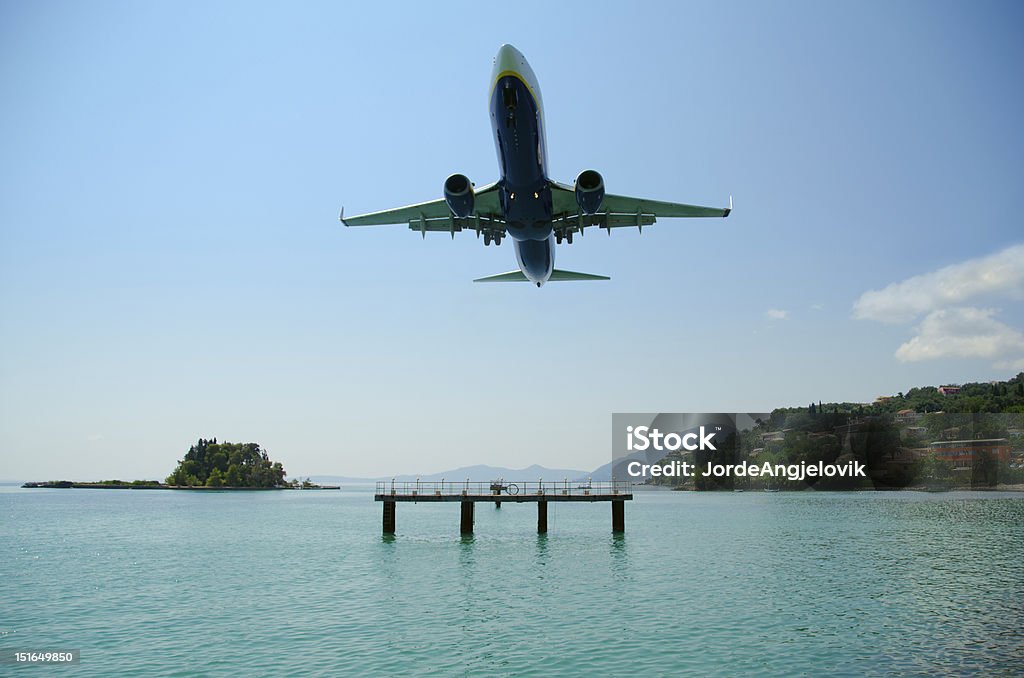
pixel 487 239
pixel 568 238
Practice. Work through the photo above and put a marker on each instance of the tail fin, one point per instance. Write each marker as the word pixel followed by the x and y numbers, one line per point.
pixel 557 275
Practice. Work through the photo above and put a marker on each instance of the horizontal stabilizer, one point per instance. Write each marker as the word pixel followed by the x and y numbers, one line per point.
pixel 573 275
pixel 556 275
pixel 511 276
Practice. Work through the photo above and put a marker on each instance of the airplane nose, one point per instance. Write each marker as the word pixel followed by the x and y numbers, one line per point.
pixel 507 52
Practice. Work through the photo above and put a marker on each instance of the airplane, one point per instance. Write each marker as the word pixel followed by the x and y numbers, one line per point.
pixel 524 204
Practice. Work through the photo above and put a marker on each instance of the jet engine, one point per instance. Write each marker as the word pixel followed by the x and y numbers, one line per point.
pixel 589 191
pixel 458 193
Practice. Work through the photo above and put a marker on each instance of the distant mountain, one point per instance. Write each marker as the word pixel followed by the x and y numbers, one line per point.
pixel 478 473
pixel 618 466
pixel 604 473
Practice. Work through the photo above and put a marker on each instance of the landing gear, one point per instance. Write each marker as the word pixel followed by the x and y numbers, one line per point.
pixel 568 237
pixel 487 239
pixel 510 98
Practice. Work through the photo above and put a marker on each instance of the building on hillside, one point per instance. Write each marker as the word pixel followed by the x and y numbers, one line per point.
pixel 951 389
pixel 906 417
pixel 914 432
pixel 961 453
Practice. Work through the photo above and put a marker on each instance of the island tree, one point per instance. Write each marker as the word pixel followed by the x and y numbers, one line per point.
pixel 212 464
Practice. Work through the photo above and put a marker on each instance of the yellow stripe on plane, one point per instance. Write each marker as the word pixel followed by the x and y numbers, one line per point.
pixel 518 76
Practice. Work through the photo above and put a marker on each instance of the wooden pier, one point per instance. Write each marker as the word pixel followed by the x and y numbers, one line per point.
pixel 468 494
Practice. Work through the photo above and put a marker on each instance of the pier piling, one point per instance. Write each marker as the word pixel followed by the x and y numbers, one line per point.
pixel 389 517
pixel 467 517
pixel 542 516
pixel 618 516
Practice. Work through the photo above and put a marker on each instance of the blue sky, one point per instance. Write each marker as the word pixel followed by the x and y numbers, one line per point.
pixel 171 265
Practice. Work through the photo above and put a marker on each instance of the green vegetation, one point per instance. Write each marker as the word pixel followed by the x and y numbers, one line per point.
pixel 212 464
pixel 1001 397
pixel 892 437
pixel 302 484
pixel 102 484
pixel 209 464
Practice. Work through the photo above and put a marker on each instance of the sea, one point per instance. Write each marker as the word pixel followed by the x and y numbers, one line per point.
pixel 178 583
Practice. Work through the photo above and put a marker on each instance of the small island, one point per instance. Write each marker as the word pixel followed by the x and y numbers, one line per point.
pixel 209 465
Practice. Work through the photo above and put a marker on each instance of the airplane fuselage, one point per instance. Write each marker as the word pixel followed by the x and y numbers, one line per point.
pixel 517 120
pixel 524 203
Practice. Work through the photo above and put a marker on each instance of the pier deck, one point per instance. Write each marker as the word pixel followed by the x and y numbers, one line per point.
pixel 468 493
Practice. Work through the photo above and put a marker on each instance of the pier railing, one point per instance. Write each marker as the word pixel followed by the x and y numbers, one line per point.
pixel 502 488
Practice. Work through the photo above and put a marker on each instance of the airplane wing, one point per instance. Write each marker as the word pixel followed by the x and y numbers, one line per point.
pixel 618 211
pixel 435 215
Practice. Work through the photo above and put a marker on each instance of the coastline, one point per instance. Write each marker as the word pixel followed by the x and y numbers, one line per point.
pixel 917 488
pixel 65 484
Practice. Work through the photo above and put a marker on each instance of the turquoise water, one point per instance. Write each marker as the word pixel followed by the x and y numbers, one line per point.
pixel 180 583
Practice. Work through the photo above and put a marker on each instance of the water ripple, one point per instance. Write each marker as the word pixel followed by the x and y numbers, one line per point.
pixel 711 584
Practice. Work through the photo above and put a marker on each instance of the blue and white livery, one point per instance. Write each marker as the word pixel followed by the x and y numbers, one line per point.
pixel 525 204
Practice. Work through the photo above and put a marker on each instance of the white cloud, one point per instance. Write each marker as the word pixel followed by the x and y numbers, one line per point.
pixel 962 332
pixel 998 275
pixel 777 314
pixel 949 328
